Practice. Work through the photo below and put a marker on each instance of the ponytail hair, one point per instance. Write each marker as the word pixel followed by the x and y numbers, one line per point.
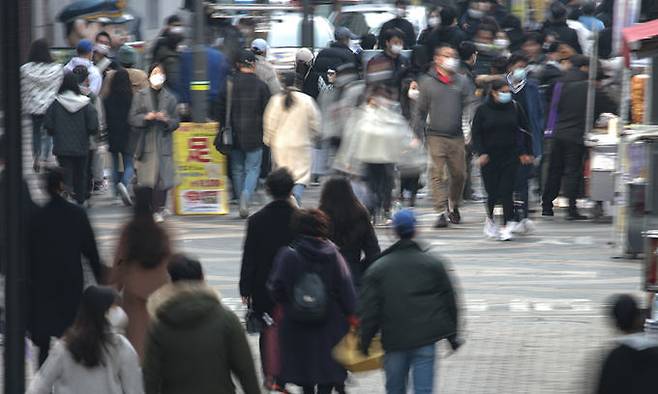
pixel 289 87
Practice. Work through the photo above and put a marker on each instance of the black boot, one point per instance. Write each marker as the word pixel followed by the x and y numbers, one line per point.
pixel 574 215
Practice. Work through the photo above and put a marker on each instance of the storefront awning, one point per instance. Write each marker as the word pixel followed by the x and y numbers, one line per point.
pixel 642 39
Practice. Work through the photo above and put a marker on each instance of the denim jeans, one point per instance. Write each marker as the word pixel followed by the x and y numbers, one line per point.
pixel 421 363
pixel 126 176
pixel 42 143
pixel 297 192
pixel 245 169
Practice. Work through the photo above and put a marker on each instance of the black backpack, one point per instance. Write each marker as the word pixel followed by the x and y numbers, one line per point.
pixel 310 299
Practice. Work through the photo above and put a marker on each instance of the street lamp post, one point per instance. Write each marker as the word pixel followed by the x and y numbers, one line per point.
pixel 200 84
pixel 14 253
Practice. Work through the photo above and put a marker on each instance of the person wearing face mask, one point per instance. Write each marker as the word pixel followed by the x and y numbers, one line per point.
pixel 501 143
pixel 154 117
pixel 557 25
pixel 102 49
pixel 399 22
pixel 84 52
pixel 471 19
pixel 526 93
pixel 568 138
pixel 91 357
pixel 307 77
pixel 445 95
pixel 169 58
pixel 337 54
pixel 389 66
pixel 447 33
pixel 433 23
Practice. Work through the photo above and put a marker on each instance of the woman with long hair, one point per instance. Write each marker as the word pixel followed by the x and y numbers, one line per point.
pixel 290 125
pixel 117 110
pixel 312 269
pixel 351 229
pixel 140 266
pixel 91 357
pixel 154 116
pixel 501 142
pixel 40 79
pixel 70 120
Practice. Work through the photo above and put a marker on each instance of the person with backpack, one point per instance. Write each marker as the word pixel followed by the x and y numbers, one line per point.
pixel 312 283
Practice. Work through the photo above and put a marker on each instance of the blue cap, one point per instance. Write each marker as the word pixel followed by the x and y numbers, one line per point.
pixel 260 45
pixel 85 46
pixel 404 222
pixel 343 32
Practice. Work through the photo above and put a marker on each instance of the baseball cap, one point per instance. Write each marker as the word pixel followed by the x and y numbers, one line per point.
pixel 304 55
pixel 343 32
pixel 246 57
pixel 85 46
pixel 260 45
pixel 404 222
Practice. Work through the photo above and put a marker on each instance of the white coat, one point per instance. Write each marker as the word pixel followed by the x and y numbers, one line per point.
pixel 290 133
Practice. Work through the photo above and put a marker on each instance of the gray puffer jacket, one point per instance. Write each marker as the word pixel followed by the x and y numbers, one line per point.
pixel 71 119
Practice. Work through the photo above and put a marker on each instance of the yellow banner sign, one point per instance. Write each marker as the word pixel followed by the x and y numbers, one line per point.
pixel 201 171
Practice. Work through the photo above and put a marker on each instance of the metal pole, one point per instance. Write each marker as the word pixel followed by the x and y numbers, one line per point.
pixel 200 85
pixel 307 25
pixel 14 357
pixel 591 87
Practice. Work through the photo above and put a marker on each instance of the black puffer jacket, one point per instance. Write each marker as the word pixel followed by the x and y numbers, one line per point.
pixel 564 33
pixel 336 55
pixel 71 119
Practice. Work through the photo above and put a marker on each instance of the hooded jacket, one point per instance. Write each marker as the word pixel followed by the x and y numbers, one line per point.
pixel 194 344
pixel 39 84
pixel 95 77
pixel 71 119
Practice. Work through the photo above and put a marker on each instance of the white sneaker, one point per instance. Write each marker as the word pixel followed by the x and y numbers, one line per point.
pixel 506 232
pixel 525 226
pixel 123 193
pixel 157 217
pixel 490 229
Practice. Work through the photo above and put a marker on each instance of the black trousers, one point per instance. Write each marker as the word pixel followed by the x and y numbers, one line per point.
pixel 499 176
pixel 566 160
pixel 468 185
pixel 379 178
pixel 324 389
pixel 158 199
pixel 75 176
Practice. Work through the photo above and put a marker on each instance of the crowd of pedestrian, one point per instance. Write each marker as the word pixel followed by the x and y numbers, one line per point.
pixel 473 88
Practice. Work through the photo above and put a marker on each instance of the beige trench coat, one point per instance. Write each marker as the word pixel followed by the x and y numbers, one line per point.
pixel 290 133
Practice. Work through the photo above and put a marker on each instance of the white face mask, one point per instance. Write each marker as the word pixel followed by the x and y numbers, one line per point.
pixel 396 49
pixel 401 12
pixel 434 21
pixel 157 80
pixel 413 94
pixel 451 64
pixel 501 42
pixel 117 318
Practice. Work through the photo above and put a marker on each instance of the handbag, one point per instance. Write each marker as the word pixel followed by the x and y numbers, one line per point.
pixel 254 323
pixel 224 139
pixel 347 353
pixel 551 122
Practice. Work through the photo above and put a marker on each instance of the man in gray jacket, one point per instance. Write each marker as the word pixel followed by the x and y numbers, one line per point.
pixel 264 69
pixel 445 96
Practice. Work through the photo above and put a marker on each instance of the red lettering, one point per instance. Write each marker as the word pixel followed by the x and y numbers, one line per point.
pixel 198 149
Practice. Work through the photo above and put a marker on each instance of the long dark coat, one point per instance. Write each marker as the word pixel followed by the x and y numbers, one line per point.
pixel 60 235
pixel 306 348
pixel 268 230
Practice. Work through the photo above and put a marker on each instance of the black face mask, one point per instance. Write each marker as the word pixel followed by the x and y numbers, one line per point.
pixel 301 69
pixel 173 40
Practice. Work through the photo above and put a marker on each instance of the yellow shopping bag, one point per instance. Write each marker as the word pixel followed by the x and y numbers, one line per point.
pixel 347 353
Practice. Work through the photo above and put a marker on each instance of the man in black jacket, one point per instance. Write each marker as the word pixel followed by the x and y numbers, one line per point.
pixel 568 141
pixel 268 230
pixel 249 97
pixel 557 25
pixel 408 296
pixel 389 67
pixel 447 33
pixel 399 22
pixel 337 54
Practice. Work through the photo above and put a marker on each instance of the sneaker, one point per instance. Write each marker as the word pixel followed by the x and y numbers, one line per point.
pixel 158 218
pixel 441 221
pixel 525 226
pixel 123 193
pixel 547 212
pixel 244 206
pixel 506 232
pixel 574 215
pixel 455 217
pixel 490 229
